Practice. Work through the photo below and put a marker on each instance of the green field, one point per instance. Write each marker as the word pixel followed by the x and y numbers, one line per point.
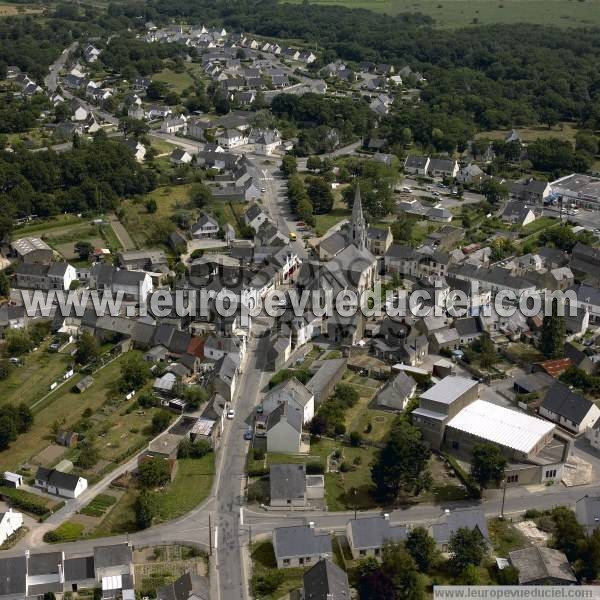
pixel 177 82
pixel 458 13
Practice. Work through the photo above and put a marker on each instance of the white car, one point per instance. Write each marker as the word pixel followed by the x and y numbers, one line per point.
pixel 263 190
pixel 230 413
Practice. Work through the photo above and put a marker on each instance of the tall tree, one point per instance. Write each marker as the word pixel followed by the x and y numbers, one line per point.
pixel 401 463
pixel 87 348
pixel 487 464
pixel 421 546
pixel 467 548
pixel 552 342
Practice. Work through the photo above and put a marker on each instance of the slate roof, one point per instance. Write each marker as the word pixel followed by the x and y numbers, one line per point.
pixel 565 403
pixel 44 563
pixel 467 326
pixel 294 417
pixel 287 482
pixel 65 481
pixel 301 540
pixel 182 588
pixel 539 563
pixel 13 575
pixel 334 243
pixel 373 532
pixel 326 581
pixel 111 556
pixel 469 518
pixel 396 391
pixel 415 162
pixel 78 569
pixel 293 389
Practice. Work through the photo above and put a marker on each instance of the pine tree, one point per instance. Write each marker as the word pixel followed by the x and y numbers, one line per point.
pixel 552 343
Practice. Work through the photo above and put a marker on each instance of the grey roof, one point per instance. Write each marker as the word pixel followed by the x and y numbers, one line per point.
pixel 182 588
pixel 467 326
pixel 32 269
pixel 301 540
pixel 415 162
pixel 534 382
pixel 396 391
pixel 326 581
pixel 468 518
pixel 284 411
pixel 293 389
pixel 65 481
pixel 373 532
pixel 78 569
pixel 287 482
pixel 253 211
pixel 325 373
pixel 112 556
pixel 45 563
pixel 405 252
pixel 540 563
pixel 565 403
pixel 13 575
pixel 130 278
pixel 334 243
pixel 57 269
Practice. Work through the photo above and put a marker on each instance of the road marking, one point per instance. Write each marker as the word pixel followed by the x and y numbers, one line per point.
pixel 216 537
pixel 241 515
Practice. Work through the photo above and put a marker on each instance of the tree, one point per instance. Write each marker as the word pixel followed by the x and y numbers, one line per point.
pixel 88 455
pixel 494 191
pixel 487 351
pixel 189 449
pixel 195 396
pixel 154 473
pixel 289 165
pixel 87 348
pixel 313 163
pixel 267 582
pixel 160 421
pixel 18 341
pixel 400 462
pixel 421 546
pixel 200 195
pixel 83 249
pixel 156 90
pixel 487 464
pixel 568 533
pixel 4 285
pixel 134 127
pixel 134 372
pixel 8 433
pixel 145 509
pixel 151 206
pixel 552 341
pixel 320 194
pixel 467 548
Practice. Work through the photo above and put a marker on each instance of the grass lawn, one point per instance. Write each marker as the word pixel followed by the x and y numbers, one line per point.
pixel 176 81
pixel 162 147
pixel 539 225
pixel 564 131
pixel 263 561
pixel 525 352
pixel 118 431
pixel 459 13
pixel 65 532
pixel 324 222
pixel 121 519
pixel 505 537
pixel 10 10
pixel 192 485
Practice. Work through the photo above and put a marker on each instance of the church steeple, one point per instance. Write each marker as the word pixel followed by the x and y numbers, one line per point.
pixel 358 226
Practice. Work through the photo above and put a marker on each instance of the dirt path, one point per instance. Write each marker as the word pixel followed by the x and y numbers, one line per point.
pixel 121 233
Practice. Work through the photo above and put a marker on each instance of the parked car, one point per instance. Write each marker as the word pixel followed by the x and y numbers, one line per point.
pixel 248 435
pixel 230 413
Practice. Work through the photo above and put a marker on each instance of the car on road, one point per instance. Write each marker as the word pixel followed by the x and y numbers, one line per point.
pixel 263 190
pixel 230 413
pixel 248 435
pixel 259 409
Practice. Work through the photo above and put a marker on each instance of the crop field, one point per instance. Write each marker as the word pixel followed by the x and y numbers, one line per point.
pixel 461 13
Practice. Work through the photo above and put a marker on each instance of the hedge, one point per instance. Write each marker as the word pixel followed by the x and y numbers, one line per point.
pixel 473 489
pixel 28 502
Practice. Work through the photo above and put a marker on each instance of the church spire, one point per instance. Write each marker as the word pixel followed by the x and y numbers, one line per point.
pixel 358 226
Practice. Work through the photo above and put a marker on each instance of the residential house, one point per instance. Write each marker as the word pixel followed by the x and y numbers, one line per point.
pixel 325 581
pixel 397 392
pixel 378 240
pixel 287 486
pixel 284 430
pixel 294 393
pixel 530 191
pixel 416 165
pixel 470 175
pixel 32 250
pixel 180 157
pixel 300 546
pixel 367 536
pixel 442 168
pixel 59 483
pixel 569 410
pixel 10 522
pixel 452 521
pixel 517 213
pixel 205 227
pixel 232 138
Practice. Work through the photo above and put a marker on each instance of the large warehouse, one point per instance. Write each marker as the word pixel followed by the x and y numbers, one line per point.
pixel 581 190
pixel 520 436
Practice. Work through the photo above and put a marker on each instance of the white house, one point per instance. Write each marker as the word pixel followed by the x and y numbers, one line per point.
pixel 135 285
pixel 59 483
pixel 294 393
pixel 255 216
pixel 232 138
pixel 180 157
pixel 10 522
pixel 205 227
pixel 568 409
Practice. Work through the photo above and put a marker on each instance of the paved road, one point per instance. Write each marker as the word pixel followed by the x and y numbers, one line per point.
pixel 122 234
pixel 51 80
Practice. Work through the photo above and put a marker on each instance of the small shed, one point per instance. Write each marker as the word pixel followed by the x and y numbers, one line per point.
pixel 84 384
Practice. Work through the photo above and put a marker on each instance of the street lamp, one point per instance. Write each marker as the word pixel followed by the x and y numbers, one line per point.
pixel 503 498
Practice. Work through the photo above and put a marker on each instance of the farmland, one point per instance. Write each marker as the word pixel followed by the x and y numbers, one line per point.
pixel 461 13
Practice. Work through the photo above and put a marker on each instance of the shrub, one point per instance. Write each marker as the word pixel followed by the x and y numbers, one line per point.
pixel 67 532
pixel 314 468
pixel 345 467
pixel 259 454
pixel 355 439
pixel 26 501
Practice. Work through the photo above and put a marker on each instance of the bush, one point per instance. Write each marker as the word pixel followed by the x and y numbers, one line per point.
pixel 67 532
pixel 264 584
pixel 26 501
pixel 355 439
pixel 314 468
pixel 346 467
pixel 258 454
pixel 532 513
pixel 189 449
